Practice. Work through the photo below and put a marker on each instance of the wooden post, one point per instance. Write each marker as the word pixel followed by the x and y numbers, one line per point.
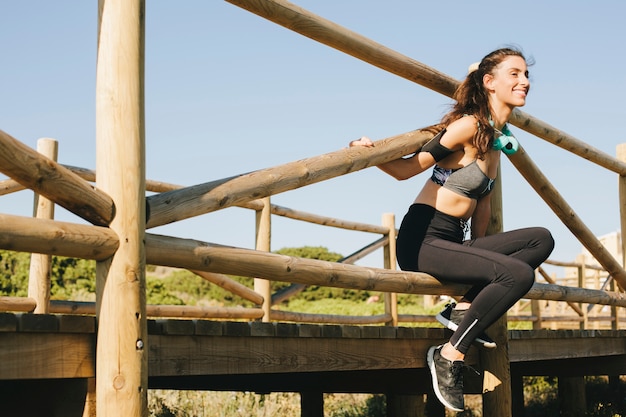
pixel 41 264
pixel 582 282
pixel 517 394
pixel 614 310
pixel 90 399
pixel 391 298
pixel 572 397
pixel 263 242
pixel 433 407
pixel 121 351
pixel 621 155
pixel 405 405
pixel 497 399
pixel 312 404
pixel 535 311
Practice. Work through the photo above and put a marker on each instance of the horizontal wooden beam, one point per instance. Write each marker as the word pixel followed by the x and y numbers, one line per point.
pixel 172 206
pixel 53 181
pixel 25 304
pixel 331 34
pixel 183 349
pixel 196 255
pixel 566 141
pixel 191 254
pixel 548 192
pixel 159 311
pixel 46 355
pixel 26 234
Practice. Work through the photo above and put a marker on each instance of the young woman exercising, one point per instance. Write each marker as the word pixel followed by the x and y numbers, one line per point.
pixel 455 200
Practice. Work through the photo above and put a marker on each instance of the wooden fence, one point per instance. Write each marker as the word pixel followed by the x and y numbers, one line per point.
pixel 119 213
pixel 39 301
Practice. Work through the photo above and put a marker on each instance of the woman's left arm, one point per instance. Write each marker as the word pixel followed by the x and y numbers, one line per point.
pixel 481 216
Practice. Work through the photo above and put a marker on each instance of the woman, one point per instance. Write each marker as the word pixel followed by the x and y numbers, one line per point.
pixel 432 236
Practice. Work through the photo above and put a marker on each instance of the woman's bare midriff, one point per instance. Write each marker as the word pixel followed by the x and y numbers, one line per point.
pixel 446 201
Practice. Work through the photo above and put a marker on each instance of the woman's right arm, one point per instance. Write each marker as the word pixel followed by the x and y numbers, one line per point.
pixel 457 135
pixel 405 168
pixel 401 168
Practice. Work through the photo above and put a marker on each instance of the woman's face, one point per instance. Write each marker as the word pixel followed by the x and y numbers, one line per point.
pixel 509 82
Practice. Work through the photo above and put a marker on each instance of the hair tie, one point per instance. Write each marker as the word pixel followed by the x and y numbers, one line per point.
pixel 473 67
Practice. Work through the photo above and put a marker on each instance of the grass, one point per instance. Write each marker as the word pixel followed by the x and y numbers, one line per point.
pixel 167 403
pixel 604 399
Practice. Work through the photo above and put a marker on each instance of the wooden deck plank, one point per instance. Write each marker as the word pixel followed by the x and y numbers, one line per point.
pixel 180 350
pixel 41 355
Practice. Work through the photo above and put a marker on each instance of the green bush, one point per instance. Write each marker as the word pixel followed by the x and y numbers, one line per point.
pixel 604 398
pixel 14 270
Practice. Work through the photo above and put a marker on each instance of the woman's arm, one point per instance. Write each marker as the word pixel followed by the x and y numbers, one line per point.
pixel 405 168
pixel 401 168
pixel 457 135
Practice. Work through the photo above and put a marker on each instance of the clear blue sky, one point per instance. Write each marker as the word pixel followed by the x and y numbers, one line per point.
pixel 228 92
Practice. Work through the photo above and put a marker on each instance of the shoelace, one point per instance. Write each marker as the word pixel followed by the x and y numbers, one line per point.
pixel 456 370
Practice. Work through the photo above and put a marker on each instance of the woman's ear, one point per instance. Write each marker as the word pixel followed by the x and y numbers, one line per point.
pixel 488 82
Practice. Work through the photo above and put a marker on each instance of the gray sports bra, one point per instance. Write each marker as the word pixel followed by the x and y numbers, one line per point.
pixel 469 181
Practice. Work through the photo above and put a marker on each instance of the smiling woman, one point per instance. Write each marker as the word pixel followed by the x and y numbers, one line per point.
pixel 499 267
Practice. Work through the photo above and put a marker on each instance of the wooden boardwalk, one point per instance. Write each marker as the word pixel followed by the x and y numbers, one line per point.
pixel 282 357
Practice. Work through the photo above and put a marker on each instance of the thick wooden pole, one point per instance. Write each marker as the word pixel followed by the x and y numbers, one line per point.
pixel 52 180
pixel 312 404
pixel 200 199
pixel 566 141
pixel 196 255
pixel 41 264
pixel 25 234
pixel 400 405
pixel 391 298
pixel 263 243
pixel 331 34
pixel 10 186
pixel 621 155
pixel 497 393
pixel 572 396
pixel 17 304
pixel 121 354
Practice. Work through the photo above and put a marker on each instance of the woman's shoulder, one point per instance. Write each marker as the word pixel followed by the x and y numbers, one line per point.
pixel 467 121
pixel 464 128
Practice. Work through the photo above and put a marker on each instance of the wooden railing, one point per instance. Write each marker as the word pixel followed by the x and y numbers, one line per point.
pixel 39 300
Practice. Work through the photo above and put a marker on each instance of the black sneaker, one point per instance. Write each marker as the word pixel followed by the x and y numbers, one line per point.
pixel 447 379
pixel 451 318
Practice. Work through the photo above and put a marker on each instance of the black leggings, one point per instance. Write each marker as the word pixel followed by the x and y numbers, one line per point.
pixel 499 267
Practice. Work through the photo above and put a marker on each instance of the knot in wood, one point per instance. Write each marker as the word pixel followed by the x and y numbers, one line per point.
pixel 119 382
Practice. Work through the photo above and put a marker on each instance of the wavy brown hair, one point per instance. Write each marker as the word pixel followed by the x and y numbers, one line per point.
pixel 471 98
